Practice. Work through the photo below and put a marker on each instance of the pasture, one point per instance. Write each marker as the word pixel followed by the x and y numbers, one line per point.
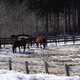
pixel 56 57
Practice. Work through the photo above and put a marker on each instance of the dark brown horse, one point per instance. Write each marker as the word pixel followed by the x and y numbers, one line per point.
pixel 41 40
pixel 18 36
pixel 22 42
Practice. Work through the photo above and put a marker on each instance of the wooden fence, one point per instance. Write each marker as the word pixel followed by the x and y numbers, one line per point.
pixel 50 39
pixel 45 65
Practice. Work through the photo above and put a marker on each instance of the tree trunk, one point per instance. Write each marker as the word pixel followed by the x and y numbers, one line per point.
pixel 78 17
pixel 58 23
pixel 65 21
pixel 69 20
pixel 46 28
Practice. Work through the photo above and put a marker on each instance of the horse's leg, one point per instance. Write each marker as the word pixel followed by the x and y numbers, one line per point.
pixel 37 45
pixel 43 45
pixel 13 50
pixel 28 46
pixel 31 43
pixel 19 49
pixel 24 47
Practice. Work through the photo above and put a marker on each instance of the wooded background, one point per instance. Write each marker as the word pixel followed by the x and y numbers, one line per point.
pixel 39 17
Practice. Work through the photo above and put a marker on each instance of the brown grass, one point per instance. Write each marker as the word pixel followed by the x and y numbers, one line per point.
pixel 57 70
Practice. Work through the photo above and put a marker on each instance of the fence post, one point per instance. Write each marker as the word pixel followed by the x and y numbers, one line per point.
pixel 26 67
pixel 46 67
pixel 67 69
pixel 10 67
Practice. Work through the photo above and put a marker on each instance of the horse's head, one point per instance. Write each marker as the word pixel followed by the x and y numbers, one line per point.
pixel 13 36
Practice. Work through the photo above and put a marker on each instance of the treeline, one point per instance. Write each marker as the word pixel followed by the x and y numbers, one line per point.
pixel 61 16
pixel 15 18
pixel 46 17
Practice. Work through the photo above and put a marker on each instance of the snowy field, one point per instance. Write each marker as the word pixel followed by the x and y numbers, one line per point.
pixel 12 75
pixel 62 52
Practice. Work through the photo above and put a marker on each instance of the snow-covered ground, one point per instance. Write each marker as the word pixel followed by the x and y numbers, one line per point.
pixel 13 75
pixel 69 46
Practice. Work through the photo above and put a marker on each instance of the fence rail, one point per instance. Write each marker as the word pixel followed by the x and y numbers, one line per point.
pixel 50 39
pixel 44 64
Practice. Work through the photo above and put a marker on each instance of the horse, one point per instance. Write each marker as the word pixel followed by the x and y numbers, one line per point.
pixel 32 40
pixel 29 39
pixel 13 38
pixel 19 44
pixel 41 40
pixel 19 36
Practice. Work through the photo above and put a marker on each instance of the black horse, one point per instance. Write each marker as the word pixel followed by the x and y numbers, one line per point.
pixel 19 44
pixel 13 38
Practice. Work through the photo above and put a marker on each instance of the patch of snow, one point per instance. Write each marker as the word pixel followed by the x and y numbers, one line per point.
pixel 13 75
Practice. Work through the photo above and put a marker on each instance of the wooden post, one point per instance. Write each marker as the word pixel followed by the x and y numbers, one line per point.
pixel 46 67
pixel 26 67
pixel 10 67
pixel 67 70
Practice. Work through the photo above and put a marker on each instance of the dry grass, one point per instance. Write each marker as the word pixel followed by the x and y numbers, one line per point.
pixel 58 63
